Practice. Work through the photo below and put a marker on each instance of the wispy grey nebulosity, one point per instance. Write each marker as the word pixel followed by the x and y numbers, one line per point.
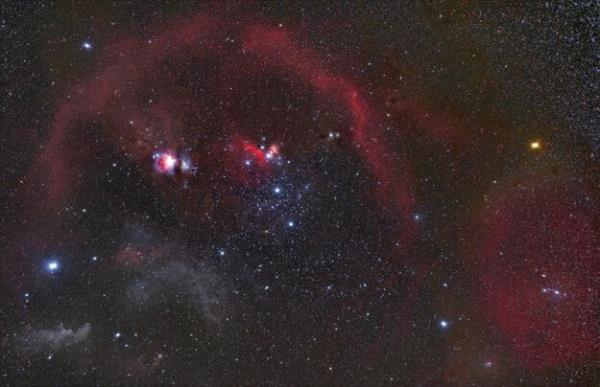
pixel 54 338
pixel 199 285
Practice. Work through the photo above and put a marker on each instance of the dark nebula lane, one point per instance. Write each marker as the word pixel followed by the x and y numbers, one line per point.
pixel 300 194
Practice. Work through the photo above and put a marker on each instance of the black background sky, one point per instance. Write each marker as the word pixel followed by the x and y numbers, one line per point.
pixel 301 271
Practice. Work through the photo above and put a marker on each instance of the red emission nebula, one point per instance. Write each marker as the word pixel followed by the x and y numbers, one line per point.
pixel 536 251
pixel 150 115
pixel 539 269
pixel 240 52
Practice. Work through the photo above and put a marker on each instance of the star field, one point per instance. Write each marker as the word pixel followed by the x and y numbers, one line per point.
pixel 273 193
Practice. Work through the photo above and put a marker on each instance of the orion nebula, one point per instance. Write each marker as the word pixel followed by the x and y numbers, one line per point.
pixel 300 194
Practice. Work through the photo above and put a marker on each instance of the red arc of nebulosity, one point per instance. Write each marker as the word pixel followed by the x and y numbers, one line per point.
pixel 144 109
pixel 538 263
pixel 138 128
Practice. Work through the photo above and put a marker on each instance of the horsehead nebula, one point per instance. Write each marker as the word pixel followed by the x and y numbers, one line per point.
pixel 278 194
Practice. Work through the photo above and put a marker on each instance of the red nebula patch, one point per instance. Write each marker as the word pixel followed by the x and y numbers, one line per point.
pixel 170 117
pixel 539 262
pixel 141 96
pixel 165 162
pixel 245 162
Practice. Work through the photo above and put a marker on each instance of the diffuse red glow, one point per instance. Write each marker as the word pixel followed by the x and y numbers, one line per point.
pixel 134 63
pixel 538 264
pixel 140 121
pixel 149 117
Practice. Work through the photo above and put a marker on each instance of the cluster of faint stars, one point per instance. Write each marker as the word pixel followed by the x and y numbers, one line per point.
pixel 166 162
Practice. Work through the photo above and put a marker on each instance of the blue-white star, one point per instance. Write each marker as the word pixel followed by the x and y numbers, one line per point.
pixel 52 266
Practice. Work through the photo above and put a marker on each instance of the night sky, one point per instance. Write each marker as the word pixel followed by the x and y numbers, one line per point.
pixel 346 193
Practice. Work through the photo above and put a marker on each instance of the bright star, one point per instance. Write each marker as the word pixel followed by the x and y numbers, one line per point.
pixel 52 266
pixel 87 45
